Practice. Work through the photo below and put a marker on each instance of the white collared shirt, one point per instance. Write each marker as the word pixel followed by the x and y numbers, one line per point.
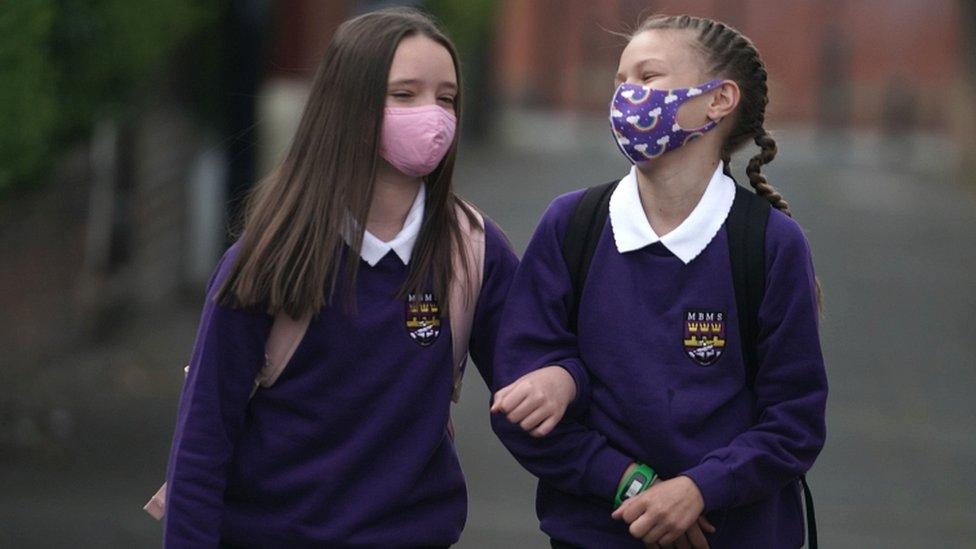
pixel 374 249
pixel 632 231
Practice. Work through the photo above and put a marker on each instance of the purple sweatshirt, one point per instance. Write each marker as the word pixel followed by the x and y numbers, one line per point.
pixel 349 447
pixel 650 401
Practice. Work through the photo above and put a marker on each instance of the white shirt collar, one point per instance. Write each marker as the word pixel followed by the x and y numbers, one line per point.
pixel 632 231
pixel 374 249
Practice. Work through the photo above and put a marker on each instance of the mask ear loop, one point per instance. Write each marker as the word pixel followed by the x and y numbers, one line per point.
pixel 712 85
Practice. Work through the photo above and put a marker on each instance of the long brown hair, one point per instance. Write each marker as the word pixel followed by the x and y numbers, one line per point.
pixel 291 246
pixel 730 54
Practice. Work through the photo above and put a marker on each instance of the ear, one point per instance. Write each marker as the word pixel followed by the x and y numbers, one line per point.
pixel 724 100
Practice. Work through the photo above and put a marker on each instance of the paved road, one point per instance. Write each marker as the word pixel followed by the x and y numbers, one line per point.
pixel 894 249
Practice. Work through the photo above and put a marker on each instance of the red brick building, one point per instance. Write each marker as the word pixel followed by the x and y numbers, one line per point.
pixel 560 53
pixel 840 59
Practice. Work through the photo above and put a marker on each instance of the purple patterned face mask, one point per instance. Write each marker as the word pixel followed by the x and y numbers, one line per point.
pixel 644 120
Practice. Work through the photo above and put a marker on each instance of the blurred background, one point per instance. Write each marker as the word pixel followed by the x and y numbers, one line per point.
pixel 129 131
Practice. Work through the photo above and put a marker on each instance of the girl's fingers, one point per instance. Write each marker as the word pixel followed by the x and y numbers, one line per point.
pixel 705 525
pixel 624 511
pixel 507 397
pixel 618 513
pixel 533 420
pixel 633 511
pixel 656 533
pixel 522 410
pixel 682 542
pixel 696 537
pixel 512 400
pixel 640 526
pixel 547 426
pixel 496 402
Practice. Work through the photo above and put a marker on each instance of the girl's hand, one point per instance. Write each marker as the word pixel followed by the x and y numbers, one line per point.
pixel 665 512
pixel 537 400
pixel 694 538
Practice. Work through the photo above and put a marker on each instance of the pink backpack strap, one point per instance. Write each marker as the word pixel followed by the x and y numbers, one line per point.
pixel 286 334
pixel 156 506
pixel 463 297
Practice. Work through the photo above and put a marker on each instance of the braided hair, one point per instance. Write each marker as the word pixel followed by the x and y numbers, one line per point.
pixel 730 54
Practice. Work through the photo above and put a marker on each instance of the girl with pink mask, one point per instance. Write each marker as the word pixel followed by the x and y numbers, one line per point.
pixel 316 409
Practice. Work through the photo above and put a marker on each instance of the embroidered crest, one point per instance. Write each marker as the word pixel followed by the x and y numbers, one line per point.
pixel 423 318
pixel 704 338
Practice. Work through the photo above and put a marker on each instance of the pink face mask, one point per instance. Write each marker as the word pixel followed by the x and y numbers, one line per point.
pixel 415 139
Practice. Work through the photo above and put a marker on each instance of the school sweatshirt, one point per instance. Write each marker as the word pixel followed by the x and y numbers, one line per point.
pixel 652 399
pixel 349 447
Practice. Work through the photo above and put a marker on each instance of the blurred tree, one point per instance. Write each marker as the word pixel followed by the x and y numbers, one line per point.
pixel 68 63
pixel 28 100
pixel 470 23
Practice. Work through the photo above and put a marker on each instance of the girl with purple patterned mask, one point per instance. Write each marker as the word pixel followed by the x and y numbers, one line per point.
pixel 705 396
pixel 664 100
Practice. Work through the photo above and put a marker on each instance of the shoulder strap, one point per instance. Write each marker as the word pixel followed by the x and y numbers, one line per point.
pixel 746 229
pixel 582 236
pixel 811 515
pixel 286 333
pixel 464 298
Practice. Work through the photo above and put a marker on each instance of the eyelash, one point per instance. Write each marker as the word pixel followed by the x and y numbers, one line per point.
pixel 407 95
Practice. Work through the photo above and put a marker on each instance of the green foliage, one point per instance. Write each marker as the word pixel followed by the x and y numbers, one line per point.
pixel 467 22
pixel 28 99
pixel 67 63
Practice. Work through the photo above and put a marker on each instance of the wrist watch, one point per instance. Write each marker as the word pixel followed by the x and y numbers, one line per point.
pixel 636 482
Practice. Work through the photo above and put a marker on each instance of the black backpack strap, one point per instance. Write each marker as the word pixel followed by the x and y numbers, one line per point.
pixel 811 515
pixel 746 228
pixel 581 239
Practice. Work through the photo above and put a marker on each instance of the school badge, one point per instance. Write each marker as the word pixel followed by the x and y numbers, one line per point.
pixel 704 336
pixel 423 318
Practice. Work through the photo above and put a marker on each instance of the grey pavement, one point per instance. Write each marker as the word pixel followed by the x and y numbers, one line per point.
pixel 894 249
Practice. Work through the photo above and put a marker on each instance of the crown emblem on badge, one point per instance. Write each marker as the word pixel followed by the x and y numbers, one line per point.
pixel 423 318
pixel 704 336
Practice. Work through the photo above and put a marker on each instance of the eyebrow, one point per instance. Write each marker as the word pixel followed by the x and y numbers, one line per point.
pixel 657 64
pixel 414 81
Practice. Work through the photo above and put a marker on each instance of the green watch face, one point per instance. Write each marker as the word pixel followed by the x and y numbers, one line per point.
pixel 637 482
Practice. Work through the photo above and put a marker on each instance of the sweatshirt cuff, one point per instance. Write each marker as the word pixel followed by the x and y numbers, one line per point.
pixel 715 482
pixel 603 473
pixel 582 399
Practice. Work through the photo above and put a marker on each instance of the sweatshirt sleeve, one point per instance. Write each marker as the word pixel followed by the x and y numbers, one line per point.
pixel 228 353
pixel 500 265
pixel 535 333
pixel 790 384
